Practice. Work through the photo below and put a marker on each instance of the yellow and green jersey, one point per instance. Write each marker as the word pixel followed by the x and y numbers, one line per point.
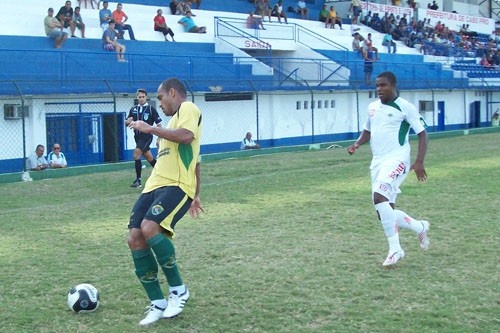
pixel 176 162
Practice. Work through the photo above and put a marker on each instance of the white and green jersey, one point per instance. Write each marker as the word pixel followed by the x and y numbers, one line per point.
pixel 389 125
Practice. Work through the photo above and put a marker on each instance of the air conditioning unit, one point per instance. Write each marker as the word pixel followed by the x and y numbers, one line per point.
pixel 15 111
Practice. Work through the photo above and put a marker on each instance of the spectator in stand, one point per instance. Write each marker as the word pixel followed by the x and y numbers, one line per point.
pixel 368 46
pixel 279 12
pixel 412 4
pixel 369 58
pixel 495 120
pixel 53 29
pixel 37 162
pixel 85 2
pixel 484 62
pixel 303 10
pixel 356 11
pixel 77 18
pixel 174 8
pixel 367 18
pixel 396 2
pixel 161 26
pixel 333 19
pixel 109 42
pixel 248 142
pixel 324 14
pixel 189 26
pixel 387 41
pixel 65 16
pixel 198 3
pixel 56 158
pixel 263 8
pixel 356 43
pixel 105 15
pixel 434 6
pixel 120 18
pixel 254 22
pixel 187 7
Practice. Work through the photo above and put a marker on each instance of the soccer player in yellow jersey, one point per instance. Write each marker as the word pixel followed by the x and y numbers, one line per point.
pixel 172 190
pixel 387 129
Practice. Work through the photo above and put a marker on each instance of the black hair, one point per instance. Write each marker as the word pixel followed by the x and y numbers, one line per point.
pixel 142 91
pixel 176 84
pixel 389 76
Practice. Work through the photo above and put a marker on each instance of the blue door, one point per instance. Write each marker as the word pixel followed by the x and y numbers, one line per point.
pixel 441 116
pixel 79 136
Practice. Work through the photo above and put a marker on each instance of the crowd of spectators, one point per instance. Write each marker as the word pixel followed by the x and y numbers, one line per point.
pixel 436 39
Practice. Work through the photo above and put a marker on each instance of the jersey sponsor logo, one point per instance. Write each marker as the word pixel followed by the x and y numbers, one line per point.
pixel 371 112
pixel 163 152
pixel 401 169
pixel 156 210
pixel 145 116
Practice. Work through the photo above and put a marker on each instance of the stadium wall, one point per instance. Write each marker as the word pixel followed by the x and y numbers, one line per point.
pixel 279 118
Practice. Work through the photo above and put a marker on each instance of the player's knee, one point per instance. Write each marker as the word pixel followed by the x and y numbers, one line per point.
pixel 136 241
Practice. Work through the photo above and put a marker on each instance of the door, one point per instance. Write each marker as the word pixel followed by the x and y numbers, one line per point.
pixel 79 136
pixel 441 116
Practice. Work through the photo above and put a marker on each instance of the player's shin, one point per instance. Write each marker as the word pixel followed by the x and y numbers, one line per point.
pixel 407 222
pixel 388 220
pixel 146 270
pixel 165 254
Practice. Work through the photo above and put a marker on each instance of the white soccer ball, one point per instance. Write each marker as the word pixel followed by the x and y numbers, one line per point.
pixel 83 298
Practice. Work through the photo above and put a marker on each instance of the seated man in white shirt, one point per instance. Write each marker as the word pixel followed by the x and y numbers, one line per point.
pixel 37 162
pixel 303 10
pixel 248 143
pixel 56 158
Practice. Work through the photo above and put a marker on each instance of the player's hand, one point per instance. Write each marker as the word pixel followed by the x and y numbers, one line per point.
pixel 352 148
pixel 140 126
pixel 196 209
pixel 419 169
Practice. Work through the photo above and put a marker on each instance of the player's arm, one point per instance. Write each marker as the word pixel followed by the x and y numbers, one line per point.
pixel 196 207
pixel 179 135
pixel 418 165
pixel 364 137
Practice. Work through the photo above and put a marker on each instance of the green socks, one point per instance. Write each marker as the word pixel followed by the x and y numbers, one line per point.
pixel 165 254
pixel 146 270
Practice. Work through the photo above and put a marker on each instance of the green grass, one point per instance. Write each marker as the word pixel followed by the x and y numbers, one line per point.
pixel 289 243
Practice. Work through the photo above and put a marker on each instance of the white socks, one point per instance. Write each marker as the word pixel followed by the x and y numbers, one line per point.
pixel 389 223
pixel 160 303
pixel 179 289
pixel 407 222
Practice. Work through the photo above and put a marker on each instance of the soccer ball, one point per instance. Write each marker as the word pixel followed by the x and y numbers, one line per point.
pixel 83 298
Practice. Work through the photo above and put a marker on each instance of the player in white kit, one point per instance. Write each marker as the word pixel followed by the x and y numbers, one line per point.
pixel 387 128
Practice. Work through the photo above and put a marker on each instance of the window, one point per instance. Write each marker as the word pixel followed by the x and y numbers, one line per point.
pixel 298 105
pixel 426 106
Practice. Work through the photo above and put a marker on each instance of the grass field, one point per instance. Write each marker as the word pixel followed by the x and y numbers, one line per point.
pixel 289 243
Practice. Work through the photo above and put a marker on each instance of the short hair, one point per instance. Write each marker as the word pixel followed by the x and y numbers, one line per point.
pixel 176 84
pixel 143 91
pixel 77 8
pixel 39 146
pixel 389 76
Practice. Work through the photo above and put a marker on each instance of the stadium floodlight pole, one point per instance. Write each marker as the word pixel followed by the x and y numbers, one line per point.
pixel 115 125
pixel 23 123
pixel 256 108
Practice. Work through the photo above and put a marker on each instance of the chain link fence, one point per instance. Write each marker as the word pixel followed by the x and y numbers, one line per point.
pixel 87 118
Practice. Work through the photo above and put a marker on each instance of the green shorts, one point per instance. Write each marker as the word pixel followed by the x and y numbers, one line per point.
pixel 165 206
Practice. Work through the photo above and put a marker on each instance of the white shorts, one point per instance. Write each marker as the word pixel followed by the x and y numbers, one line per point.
pixel 388 176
